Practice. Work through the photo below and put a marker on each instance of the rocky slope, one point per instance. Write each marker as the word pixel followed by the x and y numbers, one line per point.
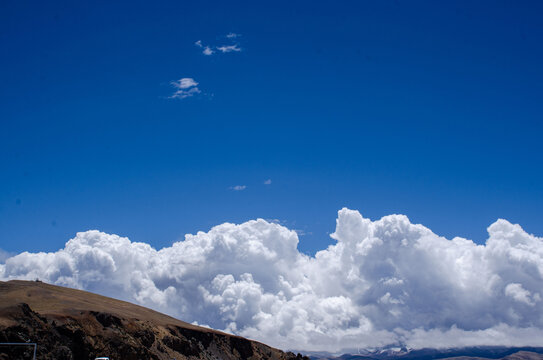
pixel 71 324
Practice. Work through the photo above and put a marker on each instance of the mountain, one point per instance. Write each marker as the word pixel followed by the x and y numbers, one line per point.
pixel 70 324
pixel 466 353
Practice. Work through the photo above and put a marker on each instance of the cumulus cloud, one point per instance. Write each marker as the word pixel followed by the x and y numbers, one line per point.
pixel 267 182
pixel 232 35
pixel 185 87
pixel 517 292
pixel 238 187
pixel 383 282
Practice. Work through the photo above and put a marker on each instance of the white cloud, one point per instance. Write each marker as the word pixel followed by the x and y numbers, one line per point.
pixel 267 182
pixel 184 83
pixel 206 49
pixel 185 87
pixel 209 50
pixel 383 282
pixel 517 292
pixel 238 187
pixel 229 48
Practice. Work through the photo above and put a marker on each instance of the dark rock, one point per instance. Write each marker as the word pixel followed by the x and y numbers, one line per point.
pixel 145 336
pixel 205 338
pixel 181 345
pixel 242 346
pixel 107 320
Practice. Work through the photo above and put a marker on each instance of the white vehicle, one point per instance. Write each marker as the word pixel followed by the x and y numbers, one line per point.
pixel 102 358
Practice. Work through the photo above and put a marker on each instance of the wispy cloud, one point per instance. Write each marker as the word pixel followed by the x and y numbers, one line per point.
pixel 185 87
pixel 206 50
pixel 238 187
pixel 275 221
pixel 267 182
pixel 229 48
pixel 184 83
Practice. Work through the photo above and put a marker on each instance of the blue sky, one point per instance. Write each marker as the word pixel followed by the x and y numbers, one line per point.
pixel 429 109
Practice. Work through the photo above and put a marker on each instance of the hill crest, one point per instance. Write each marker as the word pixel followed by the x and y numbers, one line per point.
pixel 72 324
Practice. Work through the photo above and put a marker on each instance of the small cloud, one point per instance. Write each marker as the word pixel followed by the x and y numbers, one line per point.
pixel 229 48
pixel 267 182
pixel 184 83
pixel 206 49
pixel 210 50
pixel 238 187
pixel 185 87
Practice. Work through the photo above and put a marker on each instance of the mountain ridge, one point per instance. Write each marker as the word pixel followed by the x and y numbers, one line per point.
pixel 463 353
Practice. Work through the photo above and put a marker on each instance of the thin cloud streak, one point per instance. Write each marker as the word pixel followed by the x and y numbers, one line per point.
pixel 229 48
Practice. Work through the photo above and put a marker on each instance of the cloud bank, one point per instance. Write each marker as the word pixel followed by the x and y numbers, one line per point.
pixel 383 282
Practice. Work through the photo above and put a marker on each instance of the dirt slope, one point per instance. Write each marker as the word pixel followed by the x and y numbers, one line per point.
pixel 72 324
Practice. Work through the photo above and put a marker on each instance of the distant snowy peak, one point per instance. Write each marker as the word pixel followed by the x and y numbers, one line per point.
pixel 475 353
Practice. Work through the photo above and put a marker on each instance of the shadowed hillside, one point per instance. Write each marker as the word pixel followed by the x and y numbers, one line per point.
pixel 73 324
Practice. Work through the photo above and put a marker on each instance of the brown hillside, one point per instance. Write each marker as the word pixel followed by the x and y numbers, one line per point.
pixel 72 324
